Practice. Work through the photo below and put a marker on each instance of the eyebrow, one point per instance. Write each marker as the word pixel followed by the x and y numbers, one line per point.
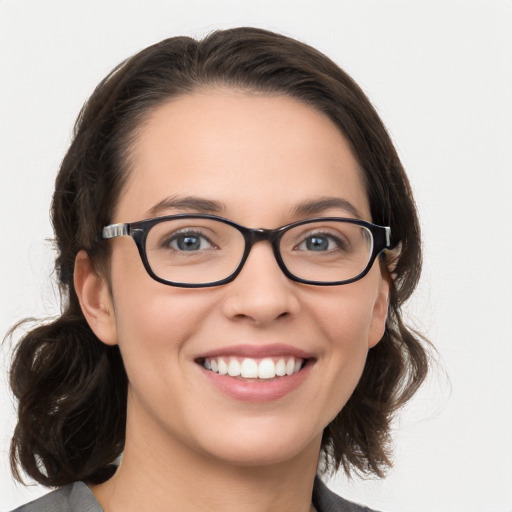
pixel 325 203
pixel 203 205
pixel 190 203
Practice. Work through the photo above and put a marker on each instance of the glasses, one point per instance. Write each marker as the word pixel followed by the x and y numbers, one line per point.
pixel 195 251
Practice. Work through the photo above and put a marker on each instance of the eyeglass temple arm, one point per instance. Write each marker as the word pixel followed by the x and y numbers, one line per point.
pixel 388 237
pixel 115 230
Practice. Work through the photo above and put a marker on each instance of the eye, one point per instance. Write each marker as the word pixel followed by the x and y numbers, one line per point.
pixel 319 242
pixel 188 241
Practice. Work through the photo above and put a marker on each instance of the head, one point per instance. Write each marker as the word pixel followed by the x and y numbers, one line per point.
pixel 97 177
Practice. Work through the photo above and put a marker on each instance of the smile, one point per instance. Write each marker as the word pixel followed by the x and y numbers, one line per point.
pixel 256 373
pixel 251 368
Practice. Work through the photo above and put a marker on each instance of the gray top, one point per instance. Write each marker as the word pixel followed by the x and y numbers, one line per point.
pixel 77 497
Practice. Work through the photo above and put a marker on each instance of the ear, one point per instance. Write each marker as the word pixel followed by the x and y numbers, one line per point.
pixel 95 299
pixel 380 310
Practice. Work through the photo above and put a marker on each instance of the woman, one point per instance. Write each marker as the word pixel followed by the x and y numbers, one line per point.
pixel 236 236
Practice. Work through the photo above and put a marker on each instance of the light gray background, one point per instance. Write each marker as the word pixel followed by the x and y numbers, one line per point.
pixel 439 73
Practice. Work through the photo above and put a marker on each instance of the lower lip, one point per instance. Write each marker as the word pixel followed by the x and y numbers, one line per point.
pixel 260 390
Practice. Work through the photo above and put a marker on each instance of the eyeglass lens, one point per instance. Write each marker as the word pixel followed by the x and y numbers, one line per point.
pixel 200 251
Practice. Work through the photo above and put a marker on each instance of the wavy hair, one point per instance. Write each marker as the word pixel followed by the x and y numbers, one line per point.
pixel 71 387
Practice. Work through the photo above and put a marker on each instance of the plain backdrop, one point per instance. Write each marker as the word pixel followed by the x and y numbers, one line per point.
pixel 439 73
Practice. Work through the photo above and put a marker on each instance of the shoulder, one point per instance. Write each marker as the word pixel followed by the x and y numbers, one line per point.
pixel 326 501
pixel 76 497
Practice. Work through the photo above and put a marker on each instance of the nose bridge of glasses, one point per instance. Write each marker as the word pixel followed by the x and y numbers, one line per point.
pixel 254 236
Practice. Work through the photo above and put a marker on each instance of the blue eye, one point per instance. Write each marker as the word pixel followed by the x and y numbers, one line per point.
pixel 316 243
pixel 319 243
pixel 188 242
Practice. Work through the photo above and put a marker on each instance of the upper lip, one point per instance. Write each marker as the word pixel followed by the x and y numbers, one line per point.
pixel 257 351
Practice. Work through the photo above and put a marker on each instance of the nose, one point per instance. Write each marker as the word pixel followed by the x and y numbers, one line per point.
pixel 261 293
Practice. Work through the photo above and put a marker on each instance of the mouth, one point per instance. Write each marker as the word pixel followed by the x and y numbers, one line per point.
pixel 256 373
pixel 254 369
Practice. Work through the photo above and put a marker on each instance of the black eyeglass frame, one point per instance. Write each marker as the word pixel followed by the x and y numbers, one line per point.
pixel 139 231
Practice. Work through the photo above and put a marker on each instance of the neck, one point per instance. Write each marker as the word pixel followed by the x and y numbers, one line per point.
pixel 159 474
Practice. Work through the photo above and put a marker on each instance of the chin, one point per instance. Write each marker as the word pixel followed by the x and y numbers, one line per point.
pixel 263 447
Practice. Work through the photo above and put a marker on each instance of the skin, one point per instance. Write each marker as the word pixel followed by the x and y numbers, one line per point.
pixel 189 446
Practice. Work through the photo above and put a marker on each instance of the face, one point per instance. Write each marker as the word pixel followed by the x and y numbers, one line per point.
pixel 256 159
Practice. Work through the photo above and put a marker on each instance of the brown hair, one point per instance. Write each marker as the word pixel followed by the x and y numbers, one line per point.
pixel 70 386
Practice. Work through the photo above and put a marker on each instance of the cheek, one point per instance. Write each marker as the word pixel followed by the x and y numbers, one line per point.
pixel 344 314
pixel 156 331
pixel 155 320
pixel 157 325
pixel 343 320
pixel 151 319
pixel 144 308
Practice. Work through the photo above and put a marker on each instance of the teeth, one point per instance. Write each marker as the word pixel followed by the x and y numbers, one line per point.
pixel 248 368
pixel 267 369
pixel 223 367
pixel 290 366
pixel 233 368
pixel 281 368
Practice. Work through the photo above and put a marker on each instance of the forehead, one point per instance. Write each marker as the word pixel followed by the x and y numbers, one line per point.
pixel 251 152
